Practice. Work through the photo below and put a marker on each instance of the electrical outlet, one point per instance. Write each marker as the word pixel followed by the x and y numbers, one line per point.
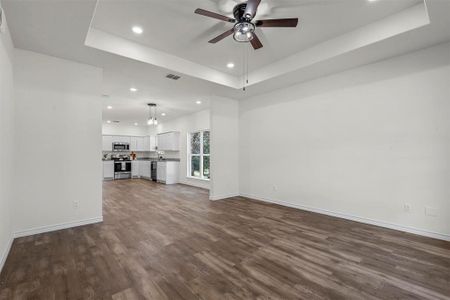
pixel 431 211
pixel 75 204
pixel 274 188
pixel 407 207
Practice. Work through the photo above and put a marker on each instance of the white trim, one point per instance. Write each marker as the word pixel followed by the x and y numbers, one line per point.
pixel 6 252
pixel 201 155
pixel 55 227
pixel 198 178
pixel 220 197
pixel 422 232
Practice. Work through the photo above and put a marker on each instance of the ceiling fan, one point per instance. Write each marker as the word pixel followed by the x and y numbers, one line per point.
pixel 244 27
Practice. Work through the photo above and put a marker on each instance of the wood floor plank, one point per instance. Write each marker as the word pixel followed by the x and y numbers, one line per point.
pixel 171 242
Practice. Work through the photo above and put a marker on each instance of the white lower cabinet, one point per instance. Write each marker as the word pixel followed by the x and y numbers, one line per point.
pixel 167 172
pixel 161 171
pixel 144 169
pixel 108 170
pixel 135 169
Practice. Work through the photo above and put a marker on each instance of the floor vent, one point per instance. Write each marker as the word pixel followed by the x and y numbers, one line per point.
pixel 173 76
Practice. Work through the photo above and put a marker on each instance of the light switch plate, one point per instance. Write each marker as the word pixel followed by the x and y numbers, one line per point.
pixel 407 207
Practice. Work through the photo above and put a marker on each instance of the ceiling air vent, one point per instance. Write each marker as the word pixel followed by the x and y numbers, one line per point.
pixel 173 76
pixel 115 121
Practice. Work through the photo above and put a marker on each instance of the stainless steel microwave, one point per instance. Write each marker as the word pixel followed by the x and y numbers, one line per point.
pixel 121 147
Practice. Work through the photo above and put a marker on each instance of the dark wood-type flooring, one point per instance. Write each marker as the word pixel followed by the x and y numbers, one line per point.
pixel 171 242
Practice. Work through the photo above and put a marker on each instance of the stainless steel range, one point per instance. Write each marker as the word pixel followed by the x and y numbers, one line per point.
pixel 122 169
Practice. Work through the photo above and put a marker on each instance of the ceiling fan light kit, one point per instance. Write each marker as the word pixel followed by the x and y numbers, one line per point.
pixel 244 28
pixel 243 32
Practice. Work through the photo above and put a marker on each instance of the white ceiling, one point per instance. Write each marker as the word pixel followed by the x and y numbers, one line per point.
pixel 347 33
pixel 171 26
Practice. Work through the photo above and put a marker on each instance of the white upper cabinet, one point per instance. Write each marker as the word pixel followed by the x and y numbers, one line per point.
pixel 140 143
pixel 137 143
pixel 107 141
pixel 121 139
pixel 133 143
pixel 169 141
pixel 146 143
pixel 152 143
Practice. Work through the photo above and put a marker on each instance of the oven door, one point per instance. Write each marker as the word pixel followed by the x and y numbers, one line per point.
pixel 122 170
pixel 122 166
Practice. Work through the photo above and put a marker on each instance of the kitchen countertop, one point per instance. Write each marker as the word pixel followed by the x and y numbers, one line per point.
pixel 147 159
pixel 156 159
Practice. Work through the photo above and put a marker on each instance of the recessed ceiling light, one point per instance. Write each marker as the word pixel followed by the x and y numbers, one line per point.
pixel 372 0
pixel 136 124
pixel 230 65
pixel 133 89
pixel 109 107
pixel 163 114
pixel 109 122
pixel 198 102
pixel 137 29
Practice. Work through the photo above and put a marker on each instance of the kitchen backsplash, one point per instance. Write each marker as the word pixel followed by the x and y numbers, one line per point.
pixel 145 154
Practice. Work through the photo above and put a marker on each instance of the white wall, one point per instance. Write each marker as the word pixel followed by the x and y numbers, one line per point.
pixel 358 144
pixel 7 142
pixel 58 143
pixel 224 148
pixel 120 129
pixel 185 125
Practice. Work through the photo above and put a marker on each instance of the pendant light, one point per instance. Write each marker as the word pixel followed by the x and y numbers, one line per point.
pixel 152 120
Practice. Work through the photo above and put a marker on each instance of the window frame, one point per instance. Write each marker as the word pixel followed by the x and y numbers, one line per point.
pixel 201 155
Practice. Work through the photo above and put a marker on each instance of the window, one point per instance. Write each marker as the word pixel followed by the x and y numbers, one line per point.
pixel 198 155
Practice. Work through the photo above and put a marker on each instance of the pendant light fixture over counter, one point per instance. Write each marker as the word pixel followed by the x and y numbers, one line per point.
pixel 152 120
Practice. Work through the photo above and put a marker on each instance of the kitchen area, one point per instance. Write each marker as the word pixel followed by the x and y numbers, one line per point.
pixel 150 157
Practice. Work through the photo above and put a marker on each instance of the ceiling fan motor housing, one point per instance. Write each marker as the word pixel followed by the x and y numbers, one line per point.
pixel 239 11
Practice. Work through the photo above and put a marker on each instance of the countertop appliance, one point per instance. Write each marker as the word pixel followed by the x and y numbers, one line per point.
pixel 153 169
pixel 122 169
pixel 123 147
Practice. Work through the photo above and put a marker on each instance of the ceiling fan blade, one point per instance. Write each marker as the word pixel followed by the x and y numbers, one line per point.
pixel 256 43
pixel 214 15
pixel 292 22
pixel 251 8
pixel 222 36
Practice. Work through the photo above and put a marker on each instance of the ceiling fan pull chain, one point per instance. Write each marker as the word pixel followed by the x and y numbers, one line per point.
pixel 243 66
pixel 247 53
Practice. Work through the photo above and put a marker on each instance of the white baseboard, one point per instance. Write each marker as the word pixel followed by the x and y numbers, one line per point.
pixel 48 228
pixel 436 235
pixel 220 197
pixel 5 253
